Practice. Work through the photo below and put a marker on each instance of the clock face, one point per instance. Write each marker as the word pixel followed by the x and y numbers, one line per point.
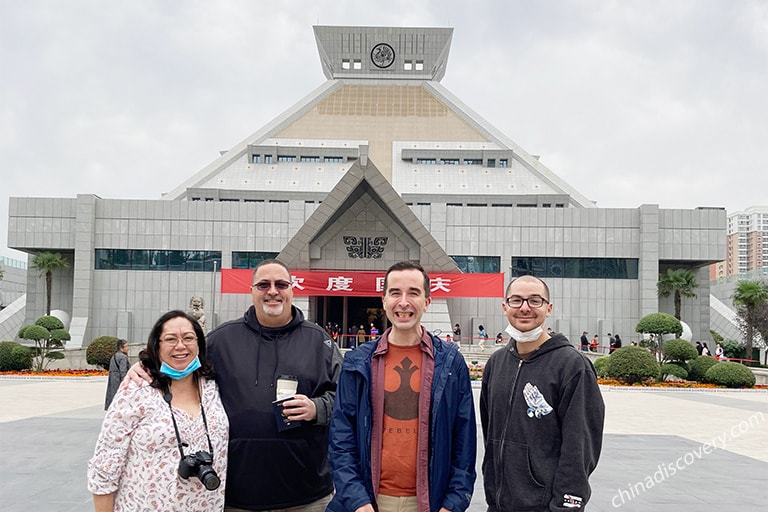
pixel 382 55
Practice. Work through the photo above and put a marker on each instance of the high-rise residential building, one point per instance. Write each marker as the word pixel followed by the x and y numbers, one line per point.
pixel 746 245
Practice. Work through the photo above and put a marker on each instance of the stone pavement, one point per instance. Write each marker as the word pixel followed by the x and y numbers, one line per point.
pixel 664 450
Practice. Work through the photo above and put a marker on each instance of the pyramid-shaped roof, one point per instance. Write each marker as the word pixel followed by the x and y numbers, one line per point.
pixel 364 204
pixel 413 128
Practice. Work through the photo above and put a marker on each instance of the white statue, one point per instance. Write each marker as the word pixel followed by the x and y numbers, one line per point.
pixel 196 310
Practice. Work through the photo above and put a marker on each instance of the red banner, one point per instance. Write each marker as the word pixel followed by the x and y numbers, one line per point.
pixel 368 284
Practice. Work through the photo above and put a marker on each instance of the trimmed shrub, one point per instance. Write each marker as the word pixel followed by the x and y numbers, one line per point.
pixel 730 375
pixel 675 369
pixel 632 364
pixel 34 332
pixel 679 350
pixel 699 367
pixel 14 357
pixel 601 365
pixel 733 349
pixel 100 351
pixel 659 323
pixel 49 322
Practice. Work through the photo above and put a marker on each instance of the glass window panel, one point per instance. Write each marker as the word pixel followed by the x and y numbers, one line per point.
pixel 140 259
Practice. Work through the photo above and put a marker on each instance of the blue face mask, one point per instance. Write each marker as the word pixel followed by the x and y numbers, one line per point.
pixel 180 374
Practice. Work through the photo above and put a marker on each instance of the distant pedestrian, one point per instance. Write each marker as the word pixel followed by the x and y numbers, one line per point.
pixel 118 368
pixel 699 348
pixel 360 335
pixel 374 332
pixel 719 352
pixel 705 350
pixel 483 335
pixel 594 344
pixel 584 342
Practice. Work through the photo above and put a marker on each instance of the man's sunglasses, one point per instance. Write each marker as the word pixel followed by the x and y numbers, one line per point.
pixel 263 286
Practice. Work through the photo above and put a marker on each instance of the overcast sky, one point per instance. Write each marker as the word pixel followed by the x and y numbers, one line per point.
pixel 630 101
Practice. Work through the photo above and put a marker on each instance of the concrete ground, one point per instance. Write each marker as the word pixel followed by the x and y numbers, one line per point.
pixel 717 442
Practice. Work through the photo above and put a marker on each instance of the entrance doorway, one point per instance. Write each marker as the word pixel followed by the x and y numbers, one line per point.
pixel 349 313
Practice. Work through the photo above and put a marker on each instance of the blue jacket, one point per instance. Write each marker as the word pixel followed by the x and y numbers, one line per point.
pixel 453 436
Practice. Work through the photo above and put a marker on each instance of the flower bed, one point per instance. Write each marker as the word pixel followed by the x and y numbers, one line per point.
pixel 58 373
pixel 654 384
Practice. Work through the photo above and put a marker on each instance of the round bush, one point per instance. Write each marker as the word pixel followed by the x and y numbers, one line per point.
pixel 34 332
pixel 673 369
pixel 730 375
pixel 14 357
pixel 679 350
pixel 601 365
pixel 699 367
pixel 632 364
pixel 49 322
pixel 100 351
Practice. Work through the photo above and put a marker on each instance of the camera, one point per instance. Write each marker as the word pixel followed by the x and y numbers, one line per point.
pixel 199 465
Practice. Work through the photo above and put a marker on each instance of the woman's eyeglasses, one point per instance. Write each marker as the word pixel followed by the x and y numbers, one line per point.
pixel 186 340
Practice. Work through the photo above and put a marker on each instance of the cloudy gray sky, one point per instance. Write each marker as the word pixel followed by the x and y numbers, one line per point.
pixel 631 101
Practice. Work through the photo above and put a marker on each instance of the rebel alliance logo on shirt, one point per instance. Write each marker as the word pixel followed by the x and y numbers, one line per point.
pixel 537 406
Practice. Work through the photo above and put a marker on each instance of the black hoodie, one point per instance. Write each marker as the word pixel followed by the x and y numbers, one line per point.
pixel 542 421
pixel 268 469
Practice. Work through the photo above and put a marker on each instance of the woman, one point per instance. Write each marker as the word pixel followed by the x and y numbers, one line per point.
pixel 164 446
pixel 594 344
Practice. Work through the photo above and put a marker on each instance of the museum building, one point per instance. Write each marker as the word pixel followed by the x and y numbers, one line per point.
pixel 379 164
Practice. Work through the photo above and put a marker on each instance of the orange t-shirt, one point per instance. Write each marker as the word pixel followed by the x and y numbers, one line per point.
pixel 399 443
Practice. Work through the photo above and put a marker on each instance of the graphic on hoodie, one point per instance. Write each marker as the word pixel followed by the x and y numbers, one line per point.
pixel 537 405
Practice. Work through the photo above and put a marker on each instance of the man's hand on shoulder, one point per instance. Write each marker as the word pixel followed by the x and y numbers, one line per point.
pixel 138 375
pixel 366 508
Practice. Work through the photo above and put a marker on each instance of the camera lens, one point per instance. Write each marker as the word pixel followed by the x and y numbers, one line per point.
pixel 208 478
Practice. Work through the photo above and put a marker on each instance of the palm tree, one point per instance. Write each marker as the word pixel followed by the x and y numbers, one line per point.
pixel 46 263
pixel 749 296
pixel 679 281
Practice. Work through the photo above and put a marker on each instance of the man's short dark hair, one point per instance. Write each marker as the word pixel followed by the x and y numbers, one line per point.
pixel 270 262
pixel 407 265
pixel 529 277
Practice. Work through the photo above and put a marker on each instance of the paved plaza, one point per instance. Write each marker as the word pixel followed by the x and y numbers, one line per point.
pixel 664 450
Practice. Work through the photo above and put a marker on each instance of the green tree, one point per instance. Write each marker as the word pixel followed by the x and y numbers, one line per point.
pixel 659 324
pixel 45 263
pixel 49 336
pixel 681 282
pixel 749 297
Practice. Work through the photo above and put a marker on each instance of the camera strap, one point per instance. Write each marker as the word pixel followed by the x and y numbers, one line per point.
pixel 168 396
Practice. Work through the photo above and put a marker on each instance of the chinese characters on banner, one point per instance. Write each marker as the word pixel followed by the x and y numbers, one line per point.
pixel 368 284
